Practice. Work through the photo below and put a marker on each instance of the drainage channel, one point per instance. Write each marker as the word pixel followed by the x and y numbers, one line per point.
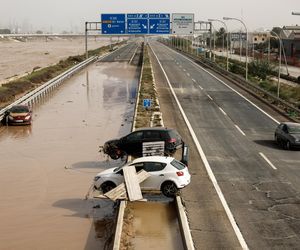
pixel 157 223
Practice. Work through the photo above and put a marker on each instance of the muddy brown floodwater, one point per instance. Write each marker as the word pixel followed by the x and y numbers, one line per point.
pixel 47 168
pixel 155 226
pixel 18 58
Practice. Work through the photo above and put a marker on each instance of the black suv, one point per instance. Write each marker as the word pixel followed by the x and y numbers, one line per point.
pixel 132 144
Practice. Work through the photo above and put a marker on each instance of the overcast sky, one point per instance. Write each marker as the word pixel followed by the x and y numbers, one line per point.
pixel 59 15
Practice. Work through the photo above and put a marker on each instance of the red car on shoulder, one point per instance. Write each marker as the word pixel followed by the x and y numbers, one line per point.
pixel 17 115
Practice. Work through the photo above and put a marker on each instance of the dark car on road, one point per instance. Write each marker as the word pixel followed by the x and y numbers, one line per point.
pixel 132 144
pixel 287 134
pixel 18 114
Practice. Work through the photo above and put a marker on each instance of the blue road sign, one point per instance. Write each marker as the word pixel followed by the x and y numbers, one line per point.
pixel 146 103
pixel 159 23
pixel 137 23
pixel 113 23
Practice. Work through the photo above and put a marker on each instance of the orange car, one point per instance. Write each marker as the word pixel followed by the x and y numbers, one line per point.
pixel 17 115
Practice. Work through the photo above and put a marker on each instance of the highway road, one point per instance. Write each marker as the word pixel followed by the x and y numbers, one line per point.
pixel 124 54
pixel 47 168
pixel 259 180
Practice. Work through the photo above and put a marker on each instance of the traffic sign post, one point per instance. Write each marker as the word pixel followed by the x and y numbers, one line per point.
pixel 147 103
pixel 113 24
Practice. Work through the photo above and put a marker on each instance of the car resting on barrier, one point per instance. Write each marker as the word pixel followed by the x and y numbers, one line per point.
pixel 135 143
pixel 167 175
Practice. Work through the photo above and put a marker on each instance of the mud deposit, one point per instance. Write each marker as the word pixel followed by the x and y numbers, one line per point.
pixel 154 226
pixel 47 168
pixel 18 58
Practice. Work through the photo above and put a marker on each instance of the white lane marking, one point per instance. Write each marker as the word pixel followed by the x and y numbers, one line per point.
pixel 184 70
pixel 206 164
pixel 267 160
pixel 239 129
pixel 222 111
pixel 133 55
pixel 200 87
pixel 188 74
pixel 193 80
pixel 209 97
pixel 245 98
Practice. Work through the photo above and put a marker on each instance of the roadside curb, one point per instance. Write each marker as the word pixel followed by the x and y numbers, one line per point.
pixel 184 225
pixel 118 232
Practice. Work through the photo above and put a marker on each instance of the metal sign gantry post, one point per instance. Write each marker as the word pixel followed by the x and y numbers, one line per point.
pixel 199 26
pixel 90 26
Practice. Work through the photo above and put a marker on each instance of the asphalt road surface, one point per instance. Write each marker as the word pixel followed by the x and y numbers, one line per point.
pixel 259 180
pixel 123 54
pixel 47 168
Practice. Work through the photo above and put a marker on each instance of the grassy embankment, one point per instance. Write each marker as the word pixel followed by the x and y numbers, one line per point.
pixel 9 91
pixel 147 91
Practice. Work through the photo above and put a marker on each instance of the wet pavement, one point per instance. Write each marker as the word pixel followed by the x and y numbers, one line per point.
pixel 46 168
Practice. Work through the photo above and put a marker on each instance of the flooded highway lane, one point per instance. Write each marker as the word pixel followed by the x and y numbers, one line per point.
pixel 46 168
pixel 154 226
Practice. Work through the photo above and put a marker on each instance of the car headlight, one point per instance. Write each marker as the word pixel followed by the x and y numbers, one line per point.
pixel 27 117
pixel 96 178
pixel 10 117
pixel 297 140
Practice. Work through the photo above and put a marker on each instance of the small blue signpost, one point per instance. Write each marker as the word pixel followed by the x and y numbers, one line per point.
pixel 113 23
pixel 159 23
pixel 146 103
pixel 137 23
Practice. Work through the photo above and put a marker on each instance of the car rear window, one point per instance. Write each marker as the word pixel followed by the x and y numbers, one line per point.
pixel 177 164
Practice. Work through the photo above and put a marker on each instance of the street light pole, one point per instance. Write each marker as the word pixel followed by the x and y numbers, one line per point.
pixel 279 70
pixel 232 18
pixel 226 29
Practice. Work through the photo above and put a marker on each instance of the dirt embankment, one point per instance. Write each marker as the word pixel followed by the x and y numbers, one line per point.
pixel 9 91
pixel 20 56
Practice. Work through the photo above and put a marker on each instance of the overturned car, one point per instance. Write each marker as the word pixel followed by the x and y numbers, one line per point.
pixel 132 144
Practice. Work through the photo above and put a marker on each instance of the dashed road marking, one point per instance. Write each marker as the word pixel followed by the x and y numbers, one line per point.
pixel 267 160
pixel 200 87
pixel 188 74
pixel 193 80
pixel 239 129
pixel 209 97
pixel 224 113
pixel 245 98
pixel 206 164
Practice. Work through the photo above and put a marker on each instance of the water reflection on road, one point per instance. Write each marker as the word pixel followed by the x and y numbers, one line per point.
pixel 46 168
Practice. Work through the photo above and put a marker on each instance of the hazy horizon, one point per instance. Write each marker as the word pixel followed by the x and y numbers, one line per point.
pixel 58 16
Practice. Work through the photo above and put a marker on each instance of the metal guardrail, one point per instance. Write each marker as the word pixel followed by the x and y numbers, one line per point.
pixel 34 95
pixel 279 104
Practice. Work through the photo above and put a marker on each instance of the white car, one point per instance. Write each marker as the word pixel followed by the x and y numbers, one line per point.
pixel 167 175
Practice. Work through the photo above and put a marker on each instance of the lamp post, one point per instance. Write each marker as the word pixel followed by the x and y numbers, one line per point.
pixel 232 18
pixel 279 70
pixel 226 29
